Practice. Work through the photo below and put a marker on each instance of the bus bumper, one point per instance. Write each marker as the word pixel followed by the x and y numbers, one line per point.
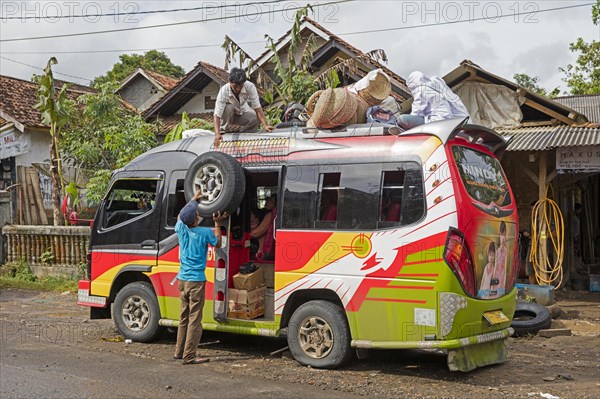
pixel 464 354
pixel 85 299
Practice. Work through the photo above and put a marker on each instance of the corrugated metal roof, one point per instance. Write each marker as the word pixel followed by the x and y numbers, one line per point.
pixel 589 105
pixel 572 136
pixel 546 137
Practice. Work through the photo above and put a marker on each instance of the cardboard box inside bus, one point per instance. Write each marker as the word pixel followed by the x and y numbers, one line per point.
pixel 249 281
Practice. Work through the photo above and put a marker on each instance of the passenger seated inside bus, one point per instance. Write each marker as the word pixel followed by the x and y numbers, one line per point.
pixel 390 207
pixel 256 243
pixel 264 231
pixel 329 201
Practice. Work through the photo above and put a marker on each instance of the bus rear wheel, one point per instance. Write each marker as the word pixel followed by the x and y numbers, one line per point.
pixel 318 335
pixel 136 312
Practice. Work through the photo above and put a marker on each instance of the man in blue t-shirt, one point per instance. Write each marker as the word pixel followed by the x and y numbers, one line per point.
pixel 193 247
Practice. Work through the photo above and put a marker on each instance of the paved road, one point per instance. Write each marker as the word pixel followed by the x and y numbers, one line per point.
pixel 46 353
pixel 42 370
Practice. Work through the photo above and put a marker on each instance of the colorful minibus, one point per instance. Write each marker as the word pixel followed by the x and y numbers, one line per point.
pixel 380 239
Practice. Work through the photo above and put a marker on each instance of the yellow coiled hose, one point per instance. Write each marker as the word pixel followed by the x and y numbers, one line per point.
pixel 547 220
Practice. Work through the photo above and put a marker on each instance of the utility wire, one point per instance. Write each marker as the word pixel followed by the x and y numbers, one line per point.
pixel 41 69
pixel 128 50
pixel 465 20
pixel 258 42
pixel 17 39
pixel 116 14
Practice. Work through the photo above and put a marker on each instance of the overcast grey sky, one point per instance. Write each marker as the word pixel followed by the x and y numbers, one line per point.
pixel 536 44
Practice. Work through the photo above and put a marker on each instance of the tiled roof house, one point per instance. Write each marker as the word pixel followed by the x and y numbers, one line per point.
pixel 143 87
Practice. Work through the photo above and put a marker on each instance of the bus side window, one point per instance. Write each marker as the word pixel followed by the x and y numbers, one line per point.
pixel 176 202
pixel 391 196
pixel 299 197
pixel 413 198
pixel 401 198
pixel 129 199
pixel 359 196
pixel 328 199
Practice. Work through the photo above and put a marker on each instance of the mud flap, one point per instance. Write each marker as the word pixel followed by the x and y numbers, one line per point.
pixel 473 356
pixel 221 273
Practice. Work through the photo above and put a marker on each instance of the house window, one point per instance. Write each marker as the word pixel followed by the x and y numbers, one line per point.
pixel 209 102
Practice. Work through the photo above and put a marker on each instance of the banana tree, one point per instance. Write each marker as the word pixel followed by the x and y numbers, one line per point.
pixel 53 108
pixel 292 81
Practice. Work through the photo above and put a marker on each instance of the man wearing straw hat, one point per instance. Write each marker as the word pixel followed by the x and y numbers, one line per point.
pixel 237 108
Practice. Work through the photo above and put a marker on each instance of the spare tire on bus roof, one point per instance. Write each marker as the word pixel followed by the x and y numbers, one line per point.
pixel 221 179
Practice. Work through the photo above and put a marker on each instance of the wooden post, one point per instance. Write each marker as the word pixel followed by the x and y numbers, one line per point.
pixel 543 249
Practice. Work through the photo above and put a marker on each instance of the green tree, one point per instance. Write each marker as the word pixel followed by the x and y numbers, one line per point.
pixel 583 77
pixel 185 124
pixel 532 84
pixel 53 107
pixel 104 135
pixel 152 60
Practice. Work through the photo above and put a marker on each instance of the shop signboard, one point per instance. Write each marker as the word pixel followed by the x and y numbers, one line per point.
pixel 584 159
pixel 14 143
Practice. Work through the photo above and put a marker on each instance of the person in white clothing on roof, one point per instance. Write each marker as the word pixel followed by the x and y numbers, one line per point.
pixel 238 107
pixel 433 101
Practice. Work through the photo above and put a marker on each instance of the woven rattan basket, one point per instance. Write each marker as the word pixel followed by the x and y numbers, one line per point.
pixel 334 107
pixel 377 90
pixel 312 102
pixel 360 116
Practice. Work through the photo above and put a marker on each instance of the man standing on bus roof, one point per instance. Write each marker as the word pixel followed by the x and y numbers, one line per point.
pixel 193 248
pixel 231 112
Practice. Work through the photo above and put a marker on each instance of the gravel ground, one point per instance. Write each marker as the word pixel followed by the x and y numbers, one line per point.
pixel 566 366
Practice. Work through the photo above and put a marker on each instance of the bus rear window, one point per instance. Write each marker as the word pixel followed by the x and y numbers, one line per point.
pixel 482 176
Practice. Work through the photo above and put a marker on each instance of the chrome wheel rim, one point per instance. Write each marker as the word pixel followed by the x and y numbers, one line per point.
pixel 315 337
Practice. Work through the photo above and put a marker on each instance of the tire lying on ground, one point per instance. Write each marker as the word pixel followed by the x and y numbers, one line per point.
pixel 529 318
pixel 221 179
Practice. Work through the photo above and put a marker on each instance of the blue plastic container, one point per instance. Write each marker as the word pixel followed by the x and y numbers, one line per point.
pixel 594 282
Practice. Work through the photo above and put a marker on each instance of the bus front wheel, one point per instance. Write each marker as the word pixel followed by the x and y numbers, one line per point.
pixel 318 335
pixel 136 312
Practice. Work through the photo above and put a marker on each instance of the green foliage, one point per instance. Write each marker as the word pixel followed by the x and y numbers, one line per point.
pixel 73 192
pixel 54 108
pixel 104 135
pixel 56 284
pixel 50 104
pixel 332 79
pixel 20 271
pixel 583 77
pixel 285 82
pixel 273 113
pixel 292 81
pixel 47 256
pixel 303 86
pixel 97 184
pixel 596 12
pixel 185 124
pixel 532 84
pixel 152 60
